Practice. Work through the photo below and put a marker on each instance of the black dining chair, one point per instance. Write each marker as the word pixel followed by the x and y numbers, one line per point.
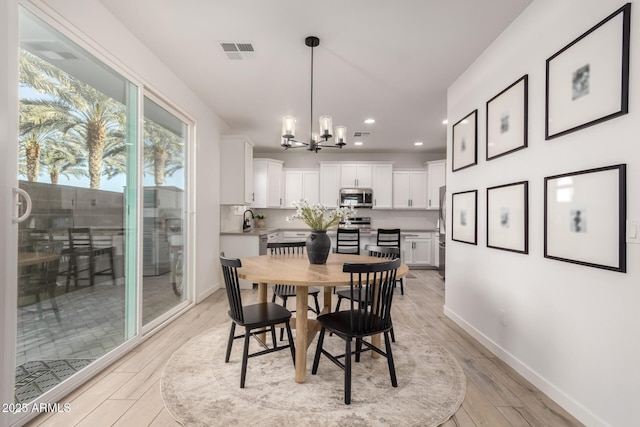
pixel 348 241
pixel 82 247
pixel 388 252
pixel 256 318
pixel 390 237
pixel 373 285
pixel 285 292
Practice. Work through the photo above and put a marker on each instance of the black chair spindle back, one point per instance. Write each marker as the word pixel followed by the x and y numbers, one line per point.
pixel 230 272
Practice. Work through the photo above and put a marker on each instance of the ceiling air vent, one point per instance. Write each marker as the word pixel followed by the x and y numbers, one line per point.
pixel 52 50
pixel 360 134
pixel 235 50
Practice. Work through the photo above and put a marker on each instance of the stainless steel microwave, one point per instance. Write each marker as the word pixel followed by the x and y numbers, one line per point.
pixel 356 197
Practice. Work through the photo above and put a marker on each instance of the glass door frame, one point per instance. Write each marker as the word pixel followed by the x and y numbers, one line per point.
pixel 8 181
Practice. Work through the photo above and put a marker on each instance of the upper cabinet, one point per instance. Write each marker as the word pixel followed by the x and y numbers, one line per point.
pixel 356 175
pixel 301 185
pixel 236 171
pixel 329 184
pixel 267 179
pixel 375 175
pixel 382 184
pixel 436 171
pixel 410 189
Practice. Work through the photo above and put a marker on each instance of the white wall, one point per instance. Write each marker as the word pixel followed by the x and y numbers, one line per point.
pixel 91 20
pixel 571 330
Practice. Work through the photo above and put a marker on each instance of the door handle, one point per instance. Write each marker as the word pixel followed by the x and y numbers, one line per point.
pixel 17 192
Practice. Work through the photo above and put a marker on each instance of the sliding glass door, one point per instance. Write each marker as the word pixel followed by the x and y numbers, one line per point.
pixel 164 218
pixel 102 251
pixel 77 152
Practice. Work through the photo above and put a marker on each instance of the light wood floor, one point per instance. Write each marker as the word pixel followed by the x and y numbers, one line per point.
pixel 128 392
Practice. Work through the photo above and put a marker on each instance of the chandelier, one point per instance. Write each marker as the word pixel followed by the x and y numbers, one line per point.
pixel 317 138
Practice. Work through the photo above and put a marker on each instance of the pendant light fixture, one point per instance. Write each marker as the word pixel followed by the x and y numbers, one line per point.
pixel 326 128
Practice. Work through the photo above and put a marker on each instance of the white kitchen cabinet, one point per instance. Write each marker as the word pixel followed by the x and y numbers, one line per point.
pixel 356 175
pixel 267 176
pixel 436 171
pixel 382 184
pixel 417 249
pixel 236 171
pixel 330 184
pixel 301 185
pixel 410 189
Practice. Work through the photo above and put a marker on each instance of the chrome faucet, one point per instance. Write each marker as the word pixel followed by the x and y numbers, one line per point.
pixel 246 224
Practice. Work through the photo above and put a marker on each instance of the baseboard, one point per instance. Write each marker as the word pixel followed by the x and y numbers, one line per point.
pixel 206 293
pixel 570 405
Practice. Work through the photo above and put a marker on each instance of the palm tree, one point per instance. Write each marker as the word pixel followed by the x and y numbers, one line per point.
pixel 64 159
pixel 30 147
pixel 79 111
pixel 163 151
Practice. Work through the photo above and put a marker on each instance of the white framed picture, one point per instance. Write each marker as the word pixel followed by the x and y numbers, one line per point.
pixel 584 217
pixel 507 119
pixel 464 148
pixel 464 217
pixel 588 80
pixel 508 217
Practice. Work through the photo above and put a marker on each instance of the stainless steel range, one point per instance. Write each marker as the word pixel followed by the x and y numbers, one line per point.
pixel 362 222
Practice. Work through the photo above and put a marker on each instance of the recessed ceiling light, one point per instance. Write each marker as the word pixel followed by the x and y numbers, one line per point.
pixel 417 143
pixel 445 121
pixel 357 143
pixel 369 121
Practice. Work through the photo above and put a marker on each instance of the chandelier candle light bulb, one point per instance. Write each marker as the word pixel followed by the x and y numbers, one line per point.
pixel 326 127
pixel 289 127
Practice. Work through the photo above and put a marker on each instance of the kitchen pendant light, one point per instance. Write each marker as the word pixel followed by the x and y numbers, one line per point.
pixel 326 123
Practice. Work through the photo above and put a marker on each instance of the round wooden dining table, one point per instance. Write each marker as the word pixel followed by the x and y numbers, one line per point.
pixel 295 269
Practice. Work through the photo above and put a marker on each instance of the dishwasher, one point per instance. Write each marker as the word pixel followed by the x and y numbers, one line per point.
pixel 262 248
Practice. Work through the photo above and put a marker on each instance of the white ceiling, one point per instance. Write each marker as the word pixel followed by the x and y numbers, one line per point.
pixel 389 60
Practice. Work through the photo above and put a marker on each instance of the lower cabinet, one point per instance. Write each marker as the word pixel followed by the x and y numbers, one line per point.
pixel 241 246
pixel 417 249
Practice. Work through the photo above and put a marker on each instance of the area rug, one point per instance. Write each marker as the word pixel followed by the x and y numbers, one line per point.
pixel 199 389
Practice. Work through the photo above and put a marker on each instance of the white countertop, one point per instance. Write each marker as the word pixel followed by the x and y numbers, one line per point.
pixel 264 231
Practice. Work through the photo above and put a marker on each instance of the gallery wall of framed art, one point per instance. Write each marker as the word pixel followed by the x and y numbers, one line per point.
pixel 548 267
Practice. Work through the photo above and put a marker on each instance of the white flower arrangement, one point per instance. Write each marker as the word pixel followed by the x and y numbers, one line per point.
pixel 314 215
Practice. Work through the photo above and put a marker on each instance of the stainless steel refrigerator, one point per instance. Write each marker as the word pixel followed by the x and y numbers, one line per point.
pixel 442 219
